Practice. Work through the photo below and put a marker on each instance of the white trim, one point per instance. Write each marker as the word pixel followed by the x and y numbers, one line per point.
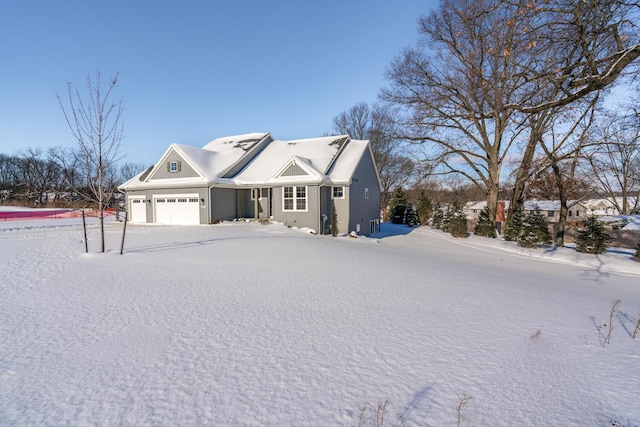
pixel 333 187
pixel 295 198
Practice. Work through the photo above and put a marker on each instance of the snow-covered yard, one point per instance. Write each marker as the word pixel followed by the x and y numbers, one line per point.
pixel 249 325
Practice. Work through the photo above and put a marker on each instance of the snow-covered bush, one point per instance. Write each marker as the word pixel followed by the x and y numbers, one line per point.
pixel 637 255
pixel 399 205
pixel 513 225
pixel 485 227
pixel 534 231
pixel 458 225
pixel 593 238
pixel 438 214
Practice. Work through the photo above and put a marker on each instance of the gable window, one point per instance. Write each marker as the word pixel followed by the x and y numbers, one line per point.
pixel 294 198
pixel 338 193
pixel 174 166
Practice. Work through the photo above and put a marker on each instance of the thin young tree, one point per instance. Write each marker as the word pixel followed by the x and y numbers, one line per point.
pixel 95 121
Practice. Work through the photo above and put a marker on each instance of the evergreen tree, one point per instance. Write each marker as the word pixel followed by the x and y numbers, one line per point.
pixel 593 238
pixel 411 216
pixel 484 227
pixel 514 224
pixel 458 225
pixel 534 230
pixel 334 221
pixel 437 215
pixel 399 205
pixel 448 215
pixel 424 208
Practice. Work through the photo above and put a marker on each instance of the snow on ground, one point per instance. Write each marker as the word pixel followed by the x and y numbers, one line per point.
pixel 243 324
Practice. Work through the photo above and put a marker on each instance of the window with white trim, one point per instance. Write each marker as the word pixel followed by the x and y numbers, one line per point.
pixel 337 193
pixel 174 166
pixel 294 198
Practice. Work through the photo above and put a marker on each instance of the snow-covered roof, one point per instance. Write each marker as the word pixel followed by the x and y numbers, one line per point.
pixel 261 160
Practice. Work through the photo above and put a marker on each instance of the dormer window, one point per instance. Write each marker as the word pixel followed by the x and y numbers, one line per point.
pixel 173 166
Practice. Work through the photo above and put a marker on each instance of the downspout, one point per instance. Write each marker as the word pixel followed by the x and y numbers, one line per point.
pixel 208 202
pixel 320 227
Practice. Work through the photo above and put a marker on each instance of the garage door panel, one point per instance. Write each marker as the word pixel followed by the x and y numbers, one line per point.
pixel 138 209
pixel 177 210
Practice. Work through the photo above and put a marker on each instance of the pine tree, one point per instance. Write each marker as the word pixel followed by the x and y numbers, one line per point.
pixel 424 208
pixel 436 217
pixel 449 213
pixel 534 230
pixel 458 225
pixel 593 238
pixel 514 224
pixel 484 227
pixel 411 216
pixel 398 206
pixel 334 221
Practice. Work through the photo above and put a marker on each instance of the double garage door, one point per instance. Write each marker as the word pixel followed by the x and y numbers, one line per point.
pixel 183 209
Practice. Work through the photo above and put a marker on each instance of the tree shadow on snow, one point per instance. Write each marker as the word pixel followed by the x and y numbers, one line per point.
pixel 388 229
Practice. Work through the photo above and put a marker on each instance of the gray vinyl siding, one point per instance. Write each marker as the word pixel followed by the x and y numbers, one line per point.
pixel 363 210
pixel 185 171
pixel 310 218
pixel 342 211
pixel 223 204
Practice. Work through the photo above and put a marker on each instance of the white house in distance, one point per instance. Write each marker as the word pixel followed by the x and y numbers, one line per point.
pixel 295 182
pixel 577 211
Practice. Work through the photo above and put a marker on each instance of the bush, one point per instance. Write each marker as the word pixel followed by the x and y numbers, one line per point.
pixel 436 218
pixel 334 221
pixel 458 225
pixel 593 238
pixel 411 216
pixel 534 231
pixel 637 255
pixel 424 209
pixel 485 227
pixel 447 217
pixel 399 205
pixel 513 227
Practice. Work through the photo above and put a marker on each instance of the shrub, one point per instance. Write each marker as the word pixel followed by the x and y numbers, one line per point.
pixel 637 255
pixel 411 216
pixel 513 226
pixel 447 216
pixel 485 227
pixel 398 206
pixel 593 238
pixel 334 221
pixel 458 225
pixel 534 231
pixel 438 214
pixel 424 208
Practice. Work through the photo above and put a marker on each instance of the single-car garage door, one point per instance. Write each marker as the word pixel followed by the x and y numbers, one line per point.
pixel 138 209
pixel 182 209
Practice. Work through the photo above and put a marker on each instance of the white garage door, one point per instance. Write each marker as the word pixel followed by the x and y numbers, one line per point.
pixel 138 209
pixel 182 209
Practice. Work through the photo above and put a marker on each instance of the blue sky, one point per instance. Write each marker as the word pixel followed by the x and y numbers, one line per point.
pixel 192 71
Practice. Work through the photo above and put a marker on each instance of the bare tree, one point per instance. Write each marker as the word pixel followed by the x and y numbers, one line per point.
pixel 378 124
pixel 96 123
pixel 486 70
pixel 614 160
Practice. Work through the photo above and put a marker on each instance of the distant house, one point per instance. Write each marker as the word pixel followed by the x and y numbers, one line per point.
pixel 576 212
pixel 256 176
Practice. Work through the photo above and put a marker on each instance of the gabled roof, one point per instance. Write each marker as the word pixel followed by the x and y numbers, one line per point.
pixel 317 154
pixel 256 159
